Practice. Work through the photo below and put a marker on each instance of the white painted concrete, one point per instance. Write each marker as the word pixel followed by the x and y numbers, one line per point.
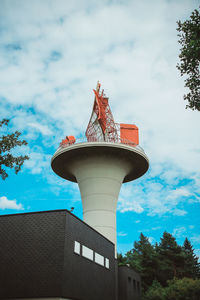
pixel 100 169
pixel 100 179
pixel 63 157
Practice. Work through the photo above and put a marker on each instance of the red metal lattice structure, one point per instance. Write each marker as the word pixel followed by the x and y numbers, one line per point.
pixel 101 126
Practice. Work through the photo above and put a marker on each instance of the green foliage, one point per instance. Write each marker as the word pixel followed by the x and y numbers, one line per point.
pixel 121 259
pixel 191 264
pixel 189 38
pixel 155 292
pixel 163 267
pixel 143 259
pixel 7 143
pixel 177 289
pixel 170 257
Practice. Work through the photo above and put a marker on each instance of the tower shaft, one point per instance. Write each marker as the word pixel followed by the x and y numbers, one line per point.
pixel 100 178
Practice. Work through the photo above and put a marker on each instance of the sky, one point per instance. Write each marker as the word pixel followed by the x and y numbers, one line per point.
pixel 51 55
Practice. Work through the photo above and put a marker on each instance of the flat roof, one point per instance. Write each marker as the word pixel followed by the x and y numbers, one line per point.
pixel 58 210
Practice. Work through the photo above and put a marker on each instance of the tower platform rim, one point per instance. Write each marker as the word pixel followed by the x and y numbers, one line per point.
pixel 134 152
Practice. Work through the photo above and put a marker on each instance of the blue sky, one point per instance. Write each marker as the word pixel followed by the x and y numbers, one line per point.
pixel 51 55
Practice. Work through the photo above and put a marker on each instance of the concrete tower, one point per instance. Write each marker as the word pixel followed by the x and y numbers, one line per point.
pixel 108 157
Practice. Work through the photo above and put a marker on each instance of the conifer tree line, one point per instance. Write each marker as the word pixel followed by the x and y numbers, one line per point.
pixel 169 271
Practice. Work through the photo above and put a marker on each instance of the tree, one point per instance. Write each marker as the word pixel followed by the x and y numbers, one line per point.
pixel 171 259
pixel 189 34
pixel 121 259
pixel 177 289
pixel 143 259
pixel 168 271
pixel 155 292
pixel 7 143
pixel 191 264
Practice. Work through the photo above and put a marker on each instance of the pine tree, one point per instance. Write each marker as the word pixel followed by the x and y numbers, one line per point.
pixel 171 258
pixel 191 264
pixel 121 259
pixel 143 259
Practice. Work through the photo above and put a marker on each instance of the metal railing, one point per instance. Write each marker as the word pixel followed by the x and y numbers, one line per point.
pixel 94 140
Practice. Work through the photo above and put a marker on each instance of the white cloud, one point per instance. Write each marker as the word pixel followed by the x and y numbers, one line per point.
pixel 191 226
pixel 195 238
pixel 179 192
pixel 42 128
pixel 151 239
pixel 9 204
pixel 179 212
pixel 122 233
pixel 155 198
pixel 39 162
pixel 126 206
pixel 179 232
pixel 156 228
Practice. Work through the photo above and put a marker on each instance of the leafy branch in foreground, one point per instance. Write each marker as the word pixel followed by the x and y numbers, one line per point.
pixel 7 143
pixel 189 34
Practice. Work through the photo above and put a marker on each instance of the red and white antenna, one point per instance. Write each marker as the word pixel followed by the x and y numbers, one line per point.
pixel 101 126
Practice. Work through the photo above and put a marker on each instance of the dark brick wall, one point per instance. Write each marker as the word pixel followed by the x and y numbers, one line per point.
pixel 37 258
pixel 31 254
pixel 84 279
pixel 129 284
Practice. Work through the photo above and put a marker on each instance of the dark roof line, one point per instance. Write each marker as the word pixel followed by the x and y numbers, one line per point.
pixel 56 210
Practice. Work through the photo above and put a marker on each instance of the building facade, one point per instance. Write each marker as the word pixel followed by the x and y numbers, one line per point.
pixel 55 255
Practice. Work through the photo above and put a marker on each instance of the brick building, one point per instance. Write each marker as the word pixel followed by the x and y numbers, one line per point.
pixel 55 255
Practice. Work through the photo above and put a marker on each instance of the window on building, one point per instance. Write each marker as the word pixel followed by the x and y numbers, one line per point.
pixel 134 284
pixel 77 248
pixel 91 254
pixel 87 252
pixel 107 263
pixel 138 286
pixel 99 259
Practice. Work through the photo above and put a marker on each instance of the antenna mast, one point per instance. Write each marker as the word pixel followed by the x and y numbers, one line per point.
pixel 101 126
